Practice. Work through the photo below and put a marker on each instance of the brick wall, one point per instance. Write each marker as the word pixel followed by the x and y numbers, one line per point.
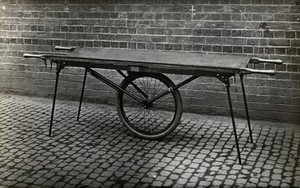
pixel 263 28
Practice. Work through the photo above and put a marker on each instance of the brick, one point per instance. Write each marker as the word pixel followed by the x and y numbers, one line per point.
pixel 257 42
pixel 236 33
pixel 227 49
pixel 217 49
pixel 237 49
pixel 168 47
pixel 257 17
pixel 234 25
pixel 280 50
pixel 290 34
pixel 279 34
pixel 268 34
pixel 207 48
pixel 251 33
pixel 206 32
pixel 278 9
pixel 294 26
pixel 178 47
pixel 256 9
pixel 212 8
pixel 187 47
pixel 294 9
pixel 292 68
pixel 197 39
pixel 295 59
pixel 226 32
pixel 197 47
pixel 216 17
pixel 216 32
pixel 226 17
pixel 248 49
pixel 179 40
pixel 215 40
pixel 235 41
pixel 141 46
pixel 217 24
pixel 279 42
pixel 291 51
pixel 295 43
pixel 269 50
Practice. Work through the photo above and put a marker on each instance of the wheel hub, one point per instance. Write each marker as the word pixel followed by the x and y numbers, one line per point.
pixel 147 104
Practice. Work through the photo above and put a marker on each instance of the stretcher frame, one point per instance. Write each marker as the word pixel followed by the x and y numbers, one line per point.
pixel 138 61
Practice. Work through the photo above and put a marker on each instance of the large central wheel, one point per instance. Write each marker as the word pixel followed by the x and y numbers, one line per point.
pixel 150 119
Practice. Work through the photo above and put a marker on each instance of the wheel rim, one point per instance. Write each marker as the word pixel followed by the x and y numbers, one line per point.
pixel 148 118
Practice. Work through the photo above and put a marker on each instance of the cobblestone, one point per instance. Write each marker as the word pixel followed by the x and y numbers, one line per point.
pixel 98 151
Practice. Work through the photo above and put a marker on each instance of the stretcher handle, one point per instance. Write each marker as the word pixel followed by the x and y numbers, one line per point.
pixel 260 60
pixel 64 48
pixel 255 71
pixel 40 56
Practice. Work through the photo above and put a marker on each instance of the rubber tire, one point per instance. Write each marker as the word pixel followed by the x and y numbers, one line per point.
pixel 178 106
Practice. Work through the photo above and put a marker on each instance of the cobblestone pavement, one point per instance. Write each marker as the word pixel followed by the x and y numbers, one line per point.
pixel 98 151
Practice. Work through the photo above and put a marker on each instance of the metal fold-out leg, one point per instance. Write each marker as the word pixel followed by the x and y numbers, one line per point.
pixel 246 107
pixel 58 69
pixel 232 118
pixel 81 97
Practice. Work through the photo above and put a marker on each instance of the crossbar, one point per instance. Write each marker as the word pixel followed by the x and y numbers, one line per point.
pixel 112 84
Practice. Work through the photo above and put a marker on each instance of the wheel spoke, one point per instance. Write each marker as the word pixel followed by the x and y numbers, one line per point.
pixel 142 85
pixel 158 89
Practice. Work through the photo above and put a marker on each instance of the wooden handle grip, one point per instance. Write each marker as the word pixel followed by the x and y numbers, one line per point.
pixel 254 71
pixel 260 60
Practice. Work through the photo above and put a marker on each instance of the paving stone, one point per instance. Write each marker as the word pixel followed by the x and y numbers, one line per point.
pixel 186 162
pixel 277 171
pixel 276 177
pixel 5 174
pixel 256 170
pixel 275 183
pixel 174 176
pixel 182 181
pixel 40 181
pixel 297 178
pixel 215 168
pixel 8 183
pixel 165 173
pixel 157 184
pixel 194 179
pixel 178 171
pixel 162 164
pixel 21 185
pixel 265 179
pixel 266 173
pixel 204 183
pixel 217 183
pixel 229 182
pixel 29 180
pixel 49 183
pixel 220 177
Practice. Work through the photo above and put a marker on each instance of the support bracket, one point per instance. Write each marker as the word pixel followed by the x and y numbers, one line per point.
pixel 224 79
pixel 59 66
